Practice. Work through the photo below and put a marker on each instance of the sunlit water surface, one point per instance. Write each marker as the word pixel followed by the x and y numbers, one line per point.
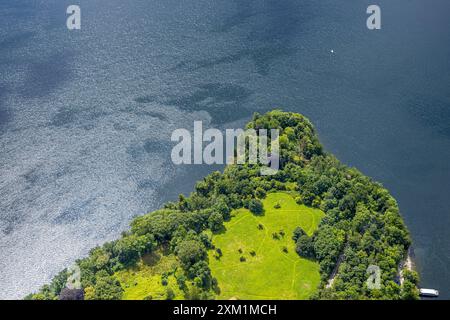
pixel 86 116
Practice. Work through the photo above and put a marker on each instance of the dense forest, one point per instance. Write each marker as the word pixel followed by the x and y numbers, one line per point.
pixel 362 225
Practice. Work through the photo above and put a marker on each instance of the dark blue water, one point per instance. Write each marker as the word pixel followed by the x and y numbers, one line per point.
pixel 86 116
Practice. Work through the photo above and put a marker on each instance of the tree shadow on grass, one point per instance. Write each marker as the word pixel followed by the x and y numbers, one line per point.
pixel 152 259
pixel 259 214
pixel 222 230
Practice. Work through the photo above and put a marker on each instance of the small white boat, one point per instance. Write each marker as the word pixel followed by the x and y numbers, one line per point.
pixel 428 293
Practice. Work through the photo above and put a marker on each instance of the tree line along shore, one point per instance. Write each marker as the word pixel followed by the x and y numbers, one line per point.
pixel 178 251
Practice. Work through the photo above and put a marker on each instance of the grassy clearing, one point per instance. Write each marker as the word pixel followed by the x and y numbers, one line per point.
pixel 270 273
pixel 144 280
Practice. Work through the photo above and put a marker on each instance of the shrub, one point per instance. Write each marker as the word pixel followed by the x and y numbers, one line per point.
pixel 305 247
pixel 190 251
pixel 215 221
pixel 255 206
pixel 298 232
pixel 170 294
pixel 260 193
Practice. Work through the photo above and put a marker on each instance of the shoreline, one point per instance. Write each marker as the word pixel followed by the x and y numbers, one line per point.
pixel 407 264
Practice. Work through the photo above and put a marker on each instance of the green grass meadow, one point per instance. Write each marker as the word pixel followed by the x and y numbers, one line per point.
pixel 144 280
pixel 271 273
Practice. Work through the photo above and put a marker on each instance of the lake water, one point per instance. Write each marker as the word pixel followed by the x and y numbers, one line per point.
pixel 86 116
